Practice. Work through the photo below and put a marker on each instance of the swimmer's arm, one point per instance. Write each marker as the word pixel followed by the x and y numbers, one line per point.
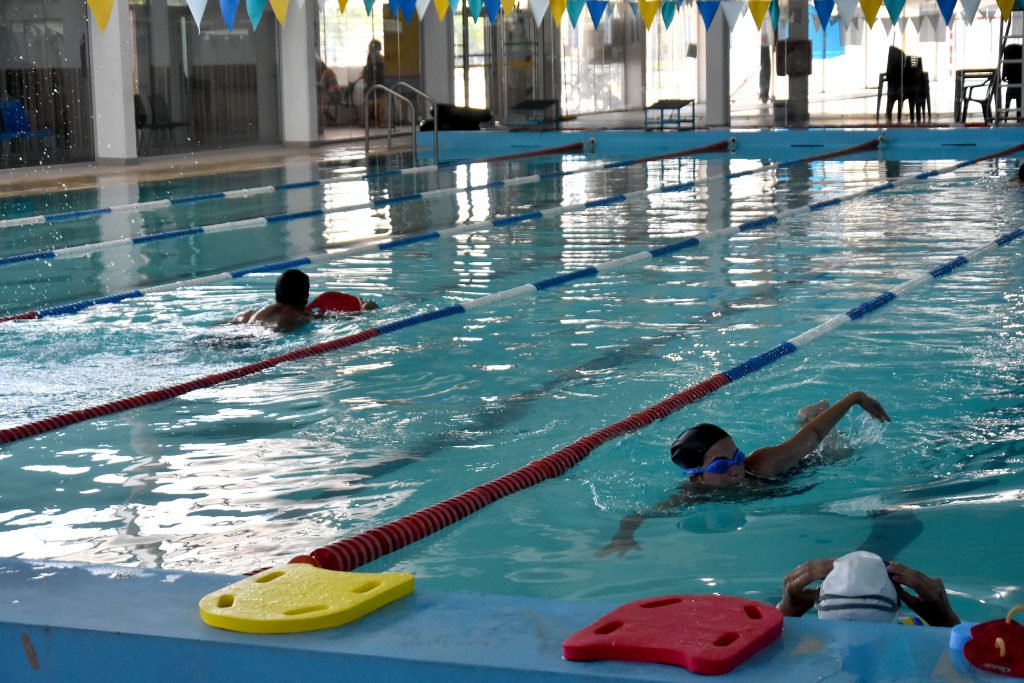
pixel 622 542
pixel 239 319
pixel 771 461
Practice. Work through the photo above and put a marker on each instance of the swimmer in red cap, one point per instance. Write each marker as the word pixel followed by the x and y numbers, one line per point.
pixel 289 311
pixel 711 459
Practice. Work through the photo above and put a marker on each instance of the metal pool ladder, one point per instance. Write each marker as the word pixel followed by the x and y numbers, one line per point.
pixel 393 95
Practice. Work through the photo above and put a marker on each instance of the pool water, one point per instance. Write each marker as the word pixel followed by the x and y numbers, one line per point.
pixel 250 473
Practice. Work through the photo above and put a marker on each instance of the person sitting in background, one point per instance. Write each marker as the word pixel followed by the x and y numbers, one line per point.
pixel 711 459
pixel 328 89
pixel 860 586
pixel 289 312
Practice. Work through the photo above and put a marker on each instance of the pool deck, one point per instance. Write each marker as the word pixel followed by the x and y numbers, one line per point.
pixel 80 622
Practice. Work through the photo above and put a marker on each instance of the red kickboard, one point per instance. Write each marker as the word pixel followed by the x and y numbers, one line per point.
pixel 707 634
pixel 984 652
pixel 335 302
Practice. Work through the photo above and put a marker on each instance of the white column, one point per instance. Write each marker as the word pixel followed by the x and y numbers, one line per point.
pixel 716 72
pixel 114 114
pixel 437 56
pixel 298 63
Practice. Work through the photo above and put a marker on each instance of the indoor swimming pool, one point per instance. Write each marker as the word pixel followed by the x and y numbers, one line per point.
pixel 249 473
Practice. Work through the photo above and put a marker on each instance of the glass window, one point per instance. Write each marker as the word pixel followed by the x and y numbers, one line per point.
pixel 46 107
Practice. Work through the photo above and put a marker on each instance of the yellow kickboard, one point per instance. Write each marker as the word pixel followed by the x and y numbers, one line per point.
pixel 300 597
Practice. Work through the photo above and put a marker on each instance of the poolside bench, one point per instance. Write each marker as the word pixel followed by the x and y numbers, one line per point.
pixel 670 111
pixel 534 114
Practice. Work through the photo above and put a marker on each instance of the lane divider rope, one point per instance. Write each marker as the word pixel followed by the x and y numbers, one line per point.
pixel 62 216
pixel 264 221
pixel 372 544
pixel 310 259
pixel 66 419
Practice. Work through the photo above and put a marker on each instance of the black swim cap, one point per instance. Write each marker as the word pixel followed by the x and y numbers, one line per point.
pixel 690 447
pixel 292 288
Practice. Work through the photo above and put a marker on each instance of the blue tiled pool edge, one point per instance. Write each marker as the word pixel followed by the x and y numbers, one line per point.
pixel 64 622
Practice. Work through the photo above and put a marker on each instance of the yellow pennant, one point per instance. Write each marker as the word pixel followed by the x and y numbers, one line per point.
pixel 758 8
pixel 870 8
pixel 280 8
pixel 1004 8
pixel 102 9
pixel 649 10
pixel 341 6
pixel 557 10
pixel 508 6
pixel 441 7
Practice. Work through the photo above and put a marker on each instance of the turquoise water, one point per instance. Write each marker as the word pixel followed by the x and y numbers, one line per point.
pixel 250 473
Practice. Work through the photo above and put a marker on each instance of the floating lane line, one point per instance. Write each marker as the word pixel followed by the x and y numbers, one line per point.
pixel 372 544
pixel 310 259
pixel 66 419
pixel 62 216
pixel 263 221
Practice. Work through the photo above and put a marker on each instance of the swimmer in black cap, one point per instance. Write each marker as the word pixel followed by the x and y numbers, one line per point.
pixel 288 312
pixel 711 458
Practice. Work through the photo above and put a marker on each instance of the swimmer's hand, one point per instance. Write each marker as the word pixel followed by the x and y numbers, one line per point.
pixel 797 598
pixel 931 602
pixel 620 546
pixel 871 406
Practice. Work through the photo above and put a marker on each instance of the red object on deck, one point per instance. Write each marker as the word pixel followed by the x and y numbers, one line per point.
pixel 707 634
pixel 998 646
pixel 335 302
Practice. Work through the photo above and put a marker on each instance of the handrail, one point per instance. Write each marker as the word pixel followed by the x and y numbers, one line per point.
pixel 392 96
pixel 433 105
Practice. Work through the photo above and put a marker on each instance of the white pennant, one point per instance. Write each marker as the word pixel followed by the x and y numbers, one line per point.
pixel 817 22
pixel 903 24
pixel 421 7
pixel 886 24
pixel 970 10
pixel 197 7
pixel 732 10
pixel 300 3
pixel 917 22
pixel 540 7
pixel 846 11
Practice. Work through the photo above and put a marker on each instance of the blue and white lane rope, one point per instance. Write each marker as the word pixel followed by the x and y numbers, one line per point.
pixel 661 410
pixel 74 307
pixel 155 204
pixel 263 221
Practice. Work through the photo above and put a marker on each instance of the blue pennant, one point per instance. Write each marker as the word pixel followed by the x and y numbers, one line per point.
pixel 575 8
pixel 895 8
pixel 635 6
pixel 493 7
pixel 474 8
pixel 824 10
pixel 255 9
pixel 229 9
pixel 947 7
pixel 773 12
pixel 668 13
pixel 708 9
pixel 596 9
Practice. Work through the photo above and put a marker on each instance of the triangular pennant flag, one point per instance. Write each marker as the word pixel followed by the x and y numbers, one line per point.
pixel 101 9
pixel 902 23
pixel 421 8
pixel 757 10
pixel 732 10
pixel 197 7
pixel 668 13
pixel 886 25
pixel 280 8
pixel 229 10
pixel 635 6
pixel 823 8
pixel 575 8
pixel 408 8
pixel 648 10
pixel 441 7
pixel 493 8
pixel 918 21
pixel 596 9
pixel 255 10
pixel 946 7
pixel 708 10
pixel 508 6
pixel 538 8
pixel 817 22
pixel 1005 7
pixel 322 3
pixel 557 10
pixel 368 4
pixel 870 8
pixel 300 3
pixel 846 8
pixel 970 10
pixel 773 12
pixel 474 8
pixel 895 8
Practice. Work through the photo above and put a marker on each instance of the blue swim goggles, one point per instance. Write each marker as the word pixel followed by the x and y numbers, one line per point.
pixel 720 465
